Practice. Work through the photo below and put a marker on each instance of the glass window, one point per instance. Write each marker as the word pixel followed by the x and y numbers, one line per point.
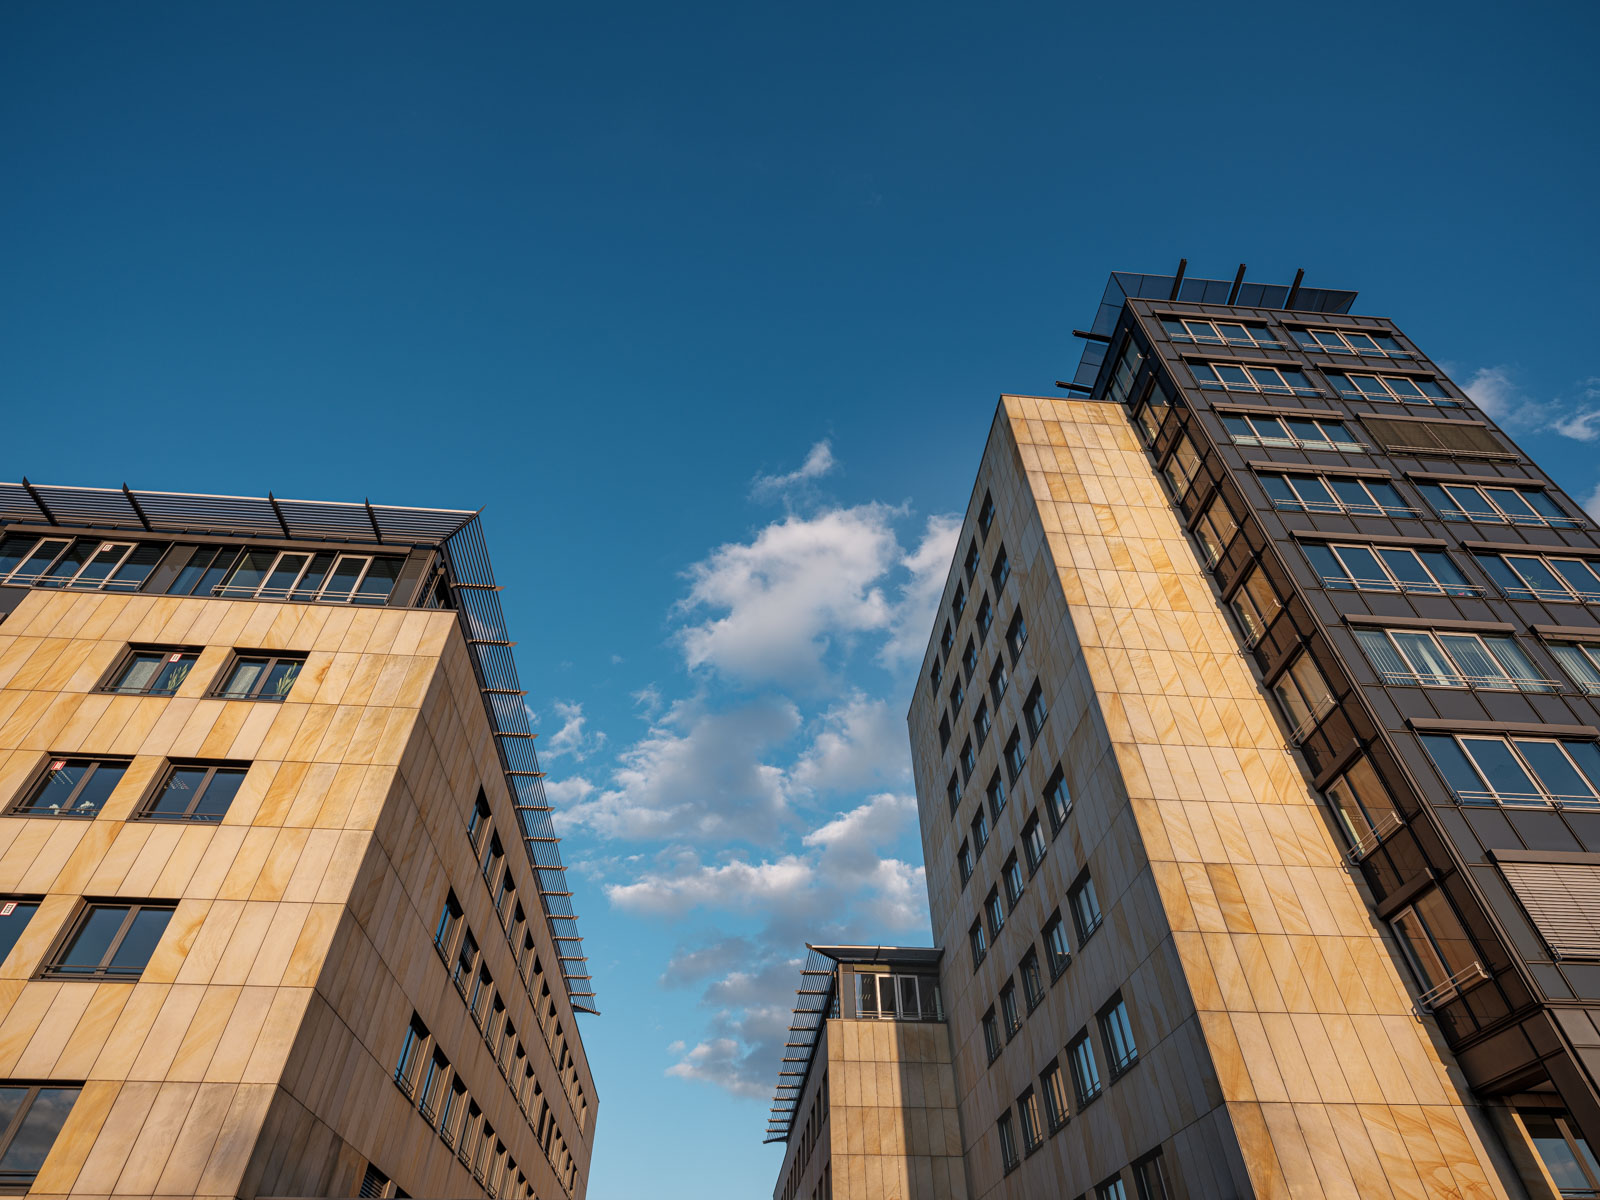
pixel 195 792
pixel 1389 569
pixel 1125 371
pixel 444 932
pixel 1008 1010
pixel 957 695
pixel 952 792
pixel 936 673
pixel 1058 952
pixel 33 1119
pixel 152 671
pixel 958 602
pixel 466 966
pixel 995 911
pixel 1517 771
pixel 980 830
pixel 1034 710
pixel 88 564
pixel 999 680
pixel 947 640
pixel 979 946
pixel 1215 530
pixel 1085 1072
pixel 1008 1142
pixel 14 917
pixel 991 1035
pixel 1001 571
pixel 1182 465
pixel 1496 505
pixel 1150 1177
pixel 1032 980
pixel 72 787
pixel 1451 660
pixel 1153 411
pixel 416 1050
pixel 1233 377
pixel 964 861
pixel 996 793
pixel 1117 1032
pixel 970 565
pixel 1254 604
pixel 110 941
pixel 1349 341
pixel 1436 946
pixel 981 724
pixel 1563 1150
pixel 1218 333
pixel 1011 875
pixel 1054 1088
pixel 986 515
pixel 985 620
pixel 1034 844
pixel 1057 800
pixel 1085 907
pixel 261 677
pixel 1290 433
pixel 1032 1126
pixel 1016 635
pixel 1304 696
pixel 1016 755
pixel 944 731
pixel 969 760
pixel 1543 577
pixel 1363 806
pixel 1581 661
pixel 24 559
pixel 1335 494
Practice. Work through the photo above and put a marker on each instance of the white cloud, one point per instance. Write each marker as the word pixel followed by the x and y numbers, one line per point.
pixel 791 595
pixel 861 742
pixel 698 773
pixel 929 567
pixel 882 820
pixel 571 737
pixel 1576 416
pixel 736 885
pixel 819 461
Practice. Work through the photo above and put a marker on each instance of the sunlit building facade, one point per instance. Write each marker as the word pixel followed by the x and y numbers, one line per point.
pixel 281 910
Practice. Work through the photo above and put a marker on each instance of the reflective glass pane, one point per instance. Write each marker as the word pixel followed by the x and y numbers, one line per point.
pixel 281 678
pixel 1351 493
pixel 1546 507
pixel 40 1125
pixel 283 575
pixel 1474 659
pixel 314 575
pixel 1237 426
pixel 1455 766
pixel 12 923
pixel 1425 657
pixel 1233 331
pixel 1361 341
pixel 248 575
pixel 11 1099
pixel 40 558
pixel 1578 665
pixel 1305 431
pixel 1554 769
pixel 1578 576
pixel 1454 947
pixel 93 795
pixel 1362 565
pixel 1327 566
pixel 136 568
pixel 1278 489
pixel 141 669
pixel 1511 502
pixel 1554 1151
pixel 1405 567
pixel 1536 575
pixel 1500 767
pixel 343 580
pixel 173 671
pixel 246 675
pixel 218 567
pixel 91 943
pixel 1231 376
pixel 219 794
pixel 179 792
pixel 100 565
pixel 70 563
pixel 1587 756
pixel 1404 388
pixel 140 941
pixel 1385 494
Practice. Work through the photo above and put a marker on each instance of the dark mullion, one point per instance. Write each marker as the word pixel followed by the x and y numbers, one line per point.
pixel 199 793
pixel 116 942
pixel 16 1122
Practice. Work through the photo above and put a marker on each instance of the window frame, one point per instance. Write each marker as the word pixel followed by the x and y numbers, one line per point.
pixel 1034 844
pixel 19 1182
pixel 271 659
pixel 51 967
pixel 1399 644
pixel 1058 957
pixel 1217 382
pixel 1057 1107
pixel 1116 1031
pixel 1306 339
pixel 1085 923
pixel 1570 593
pixel 39 780
pixel 146 810
pixel 1542 797
pixel 1344 383
pixel 1492 511
pixel 1390 582
pixel 185 656
pixel 1057 795
pixel 1016 755
pixel 1035 712
pixel 1087 1083
pixel 1016 636
pixel 1010 1014
pixel 1029 1116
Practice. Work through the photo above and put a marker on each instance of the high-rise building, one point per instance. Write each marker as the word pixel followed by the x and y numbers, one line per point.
pixel 281 907
pixel 1256 749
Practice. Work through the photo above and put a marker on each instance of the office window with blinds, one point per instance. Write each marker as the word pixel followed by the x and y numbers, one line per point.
pixel 1564 902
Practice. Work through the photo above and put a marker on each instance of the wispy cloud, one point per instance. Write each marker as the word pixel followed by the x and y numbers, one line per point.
pixel 1575 415
pixel 819 462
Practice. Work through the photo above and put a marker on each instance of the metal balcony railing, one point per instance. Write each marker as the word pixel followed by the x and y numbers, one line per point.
pixel 1527 799
pixel 1367 842
pixel 1346 583
pixel 1302 731
pixel 1487 683
pixel 1347 510
pixel 1452 987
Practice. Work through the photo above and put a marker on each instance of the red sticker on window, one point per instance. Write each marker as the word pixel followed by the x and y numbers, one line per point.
pixel 58 764
pixel 175 658
pixel 9 907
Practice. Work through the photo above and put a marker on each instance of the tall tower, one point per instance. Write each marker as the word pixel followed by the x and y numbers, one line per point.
pixel 1256 745
pixel 281 911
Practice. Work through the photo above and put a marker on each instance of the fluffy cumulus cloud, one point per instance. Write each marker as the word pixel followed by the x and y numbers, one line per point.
pixel 782 601
pixel 861 742
pixel 699 772
pixel 819 462
pixel 572 738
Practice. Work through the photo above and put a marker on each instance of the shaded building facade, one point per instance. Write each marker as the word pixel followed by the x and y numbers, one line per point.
pixel 1255 748
pixel 281 910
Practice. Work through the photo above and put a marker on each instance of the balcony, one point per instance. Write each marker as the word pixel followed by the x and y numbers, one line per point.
pixel 1450 988
pixel 1477 683
pixel 1366 843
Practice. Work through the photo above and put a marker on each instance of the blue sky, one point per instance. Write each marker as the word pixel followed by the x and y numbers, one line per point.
pixel 708 307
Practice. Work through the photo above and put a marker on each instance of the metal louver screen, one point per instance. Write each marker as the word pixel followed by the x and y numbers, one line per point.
pixel 1564 902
